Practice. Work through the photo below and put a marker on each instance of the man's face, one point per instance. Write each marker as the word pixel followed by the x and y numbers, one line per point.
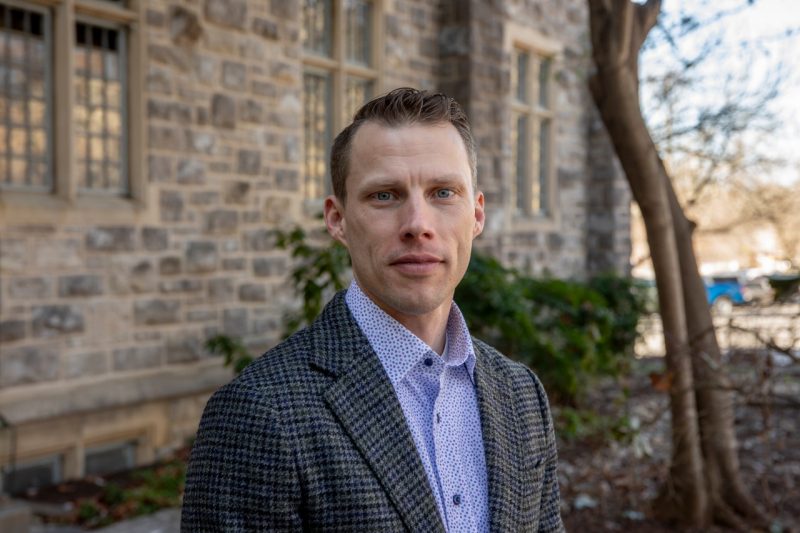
pixel 410 215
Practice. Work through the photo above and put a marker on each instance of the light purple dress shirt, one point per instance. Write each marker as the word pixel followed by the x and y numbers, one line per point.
pixel 437 395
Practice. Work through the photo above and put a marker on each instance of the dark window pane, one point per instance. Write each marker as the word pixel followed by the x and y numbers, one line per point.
pixel 317 26
pixel 24 116
pixel 99 113
pixel 544 77
pixel 317 132
pixel 357 34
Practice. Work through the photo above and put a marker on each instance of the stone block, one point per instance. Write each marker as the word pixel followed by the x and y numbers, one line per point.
pixel 165 138
pixel 248 162
pixel 234 75
pixel 155 18
pixel 142 277
pixel 55 320
pixel 13 255
pixel 260 240
pixel 201 257
pixel 234 322
pixel 28 364
pixel 223 111
pixel 231 13
pixel 220 290
pixel 233 263
pixel 287 180
pixel 221 221
pixel 204 198
pixel 276 210
pixel 159 168
pixel 191 171
pixel 168 266
pixel 59 253
pixel 201 141
pixel 11 330
pixel 251 111
pixel 184 26
pixel 171 204
pixel 80 286
pixel 137 358
pixel 155 239
pixel 156 312
pixel 285 9
pixel 111 239
pixel 79 365
pixel 268 267
pixel 291 149
pixel 29 288
pixel 202 315
pixel 180 286
pixel 184 350
pixel 236 192
pixel 252 292
pixel 265 28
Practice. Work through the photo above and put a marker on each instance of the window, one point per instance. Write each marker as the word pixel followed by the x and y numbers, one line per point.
pixel 340 74
pixel 110 458
pixel 66 104
pixel 532 123
pixel 25 149
pixel 33 475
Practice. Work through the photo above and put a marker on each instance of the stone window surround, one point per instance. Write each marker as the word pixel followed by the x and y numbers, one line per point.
pixel 532 41
pixel 64 204
pixel 339 68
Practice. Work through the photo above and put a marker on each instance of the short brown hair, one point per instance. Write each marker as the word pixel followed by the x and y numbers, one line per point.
pixel 400 107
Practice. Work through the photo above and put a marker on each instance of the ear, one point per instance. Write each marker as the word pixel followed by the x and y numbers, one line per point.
pixel 334 219
pixel 480 215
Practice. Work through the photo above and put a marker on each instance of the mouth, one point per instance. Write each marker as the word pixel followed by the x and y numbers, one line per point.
pixel 416 264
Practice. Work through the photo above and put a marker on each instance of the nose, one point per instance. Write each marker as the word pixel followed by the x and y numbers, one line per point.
pixel 417 219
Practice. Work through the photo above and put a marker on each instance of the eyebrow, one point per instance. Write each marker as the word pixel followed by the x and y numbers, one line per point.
pixel 387 182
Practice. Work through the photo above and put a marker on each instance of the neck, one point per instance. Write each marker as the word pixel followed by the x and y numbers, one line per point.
pixel 430 327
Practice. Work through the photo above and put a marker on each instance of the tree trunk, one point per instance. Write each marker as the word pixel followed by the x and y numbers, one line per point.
pixel 704 482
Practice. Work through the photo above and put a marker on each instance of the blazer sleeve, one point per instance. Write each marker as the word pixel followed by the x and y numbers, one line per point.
pixel 550 510
pixel 241 474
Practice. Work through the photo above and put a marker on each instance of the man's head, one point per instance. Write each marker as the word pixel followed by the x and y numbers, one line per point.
pixel 400 107
pixel 410 211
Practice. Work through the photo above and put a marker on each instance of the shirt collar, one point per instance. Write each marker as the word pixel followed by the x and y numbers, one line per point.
pixel 384 333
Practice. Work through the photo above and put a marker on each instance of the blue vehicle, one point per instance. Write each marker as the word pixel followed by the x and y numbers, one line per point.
pixel 723 292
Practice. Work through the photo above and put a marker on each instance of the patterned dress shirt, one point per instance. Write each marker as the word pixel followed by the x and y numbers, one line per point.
pixel 437 396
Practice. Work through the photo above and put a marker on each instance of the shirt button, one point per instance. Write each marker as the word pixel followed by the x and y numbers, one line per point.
pixel 456 499
pixel 438 418
pixel 428 361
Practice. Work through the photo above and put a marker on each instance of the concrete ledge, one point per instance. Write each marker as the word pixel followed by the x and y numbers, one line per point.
pixel 50 400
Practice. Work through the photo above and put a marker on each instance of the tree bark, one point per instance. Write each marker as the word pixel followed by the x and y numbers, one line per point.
pixel 705 483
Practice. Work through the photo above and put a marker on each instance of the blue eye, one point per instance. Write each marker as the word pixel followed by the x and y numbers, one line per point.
pixel 444 193
pixel 383 196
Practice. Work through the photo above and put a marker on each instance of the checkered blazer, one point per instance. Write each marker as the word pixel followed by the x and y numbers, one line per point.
pixel 312 437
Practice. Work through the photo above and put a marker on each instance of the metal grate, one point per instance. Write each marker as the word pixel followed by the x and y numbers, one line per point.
pixel 100 109
pixel 25 148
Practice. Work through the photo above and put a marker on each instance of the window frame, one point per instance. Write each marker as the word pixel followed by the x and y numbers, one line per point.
pixel 66 200
pixel 539 47
pixel 339 70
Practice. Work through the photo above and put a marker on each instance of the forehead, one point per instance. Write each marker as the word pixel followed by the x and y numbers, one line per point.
pixel 412 148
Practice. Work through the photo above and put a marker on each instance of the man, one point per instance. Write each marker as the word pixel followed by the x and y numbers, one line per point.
pixel 384 415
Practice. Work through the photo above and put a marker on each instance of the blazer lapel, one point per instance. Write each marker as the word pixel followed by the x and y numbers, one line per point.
pixel 364 402
pixel 500 441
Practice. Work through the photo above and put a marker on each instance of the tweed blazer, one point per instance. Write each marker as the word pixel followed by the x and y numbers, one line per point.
pixel 311 436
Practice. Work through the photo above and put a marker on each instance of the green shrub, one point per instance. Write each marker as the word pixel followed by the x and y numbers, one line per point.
pixel 568 332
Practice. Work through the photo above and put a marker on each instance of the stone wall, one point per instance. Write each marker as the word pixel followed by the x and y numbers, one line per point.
pixel 102 310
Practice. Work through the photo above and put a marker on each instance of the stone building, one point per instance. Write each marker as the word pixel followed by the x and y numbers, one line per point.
pixel 148 148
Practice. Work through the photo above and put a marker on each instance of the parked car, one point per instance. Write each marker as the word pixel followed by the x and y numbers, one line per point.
pixel 758 291
pixel 723 292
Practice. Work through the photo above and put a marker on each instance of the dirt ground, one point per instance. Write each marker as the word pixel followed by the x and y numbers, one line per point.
pixel 612 486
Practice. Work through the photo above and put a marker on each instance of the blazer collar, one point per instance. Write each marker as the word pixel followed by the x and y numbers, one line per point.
pixel 502 442
pixel 364 402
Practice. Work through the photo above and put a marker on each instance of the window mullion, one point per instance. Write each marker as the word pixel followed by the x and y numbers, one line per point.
pixel 64 166
pixel 338 74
